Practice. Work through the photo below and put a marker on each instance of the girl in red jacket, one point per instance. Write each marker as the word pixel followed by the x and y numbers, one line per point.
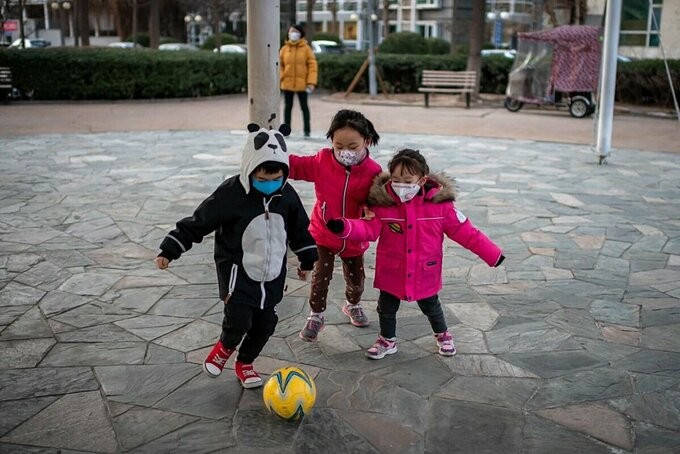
pixel 413 212
pixel 342 176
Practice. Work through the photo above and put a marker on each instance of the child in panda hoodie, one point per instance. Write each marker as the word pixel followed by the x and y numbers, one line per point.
pixel 255 215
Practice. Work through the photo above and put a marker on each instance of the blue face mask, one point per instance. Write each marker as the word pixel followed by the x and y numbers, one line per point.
pixel 267 187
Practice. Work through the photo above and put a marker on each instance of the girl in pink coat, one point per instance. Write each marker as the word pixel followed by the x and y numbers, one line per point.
pixel 342 176
pixel 413 211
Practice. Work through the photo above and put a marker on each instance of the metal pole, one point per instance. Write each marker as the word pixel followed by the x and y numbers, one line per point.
pixel 372 85
pixel 605 114
pixel 263 62
pixel 413 15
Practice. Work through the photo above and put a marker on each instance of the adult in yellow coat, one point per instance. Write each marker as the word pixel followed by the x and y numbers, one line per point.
pixel 297 73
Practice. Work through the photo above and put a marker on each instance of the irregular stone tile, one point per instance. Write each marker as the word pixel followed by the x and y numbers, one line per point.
pixel 31 324
pixel 575 321
pixel 249 425
pixel 651 361
pixel 554 364
pixel 95 354
pixel 23 383
pixel 487 366
pixel 383 432
pixel 76 421
pixel 205 397
pixel 15 294
pixel 496 391
pixel 56 302
pixel 92 314
pixel 595 419
pixel 155 354
pixel 23 353
pixel 17 411
pixel 140 299
pixel 455 426
pixel 18 263
pixel 193 291
pixel 121 255
pixel 621 334
pixel 467 340
pixel 647 383
pixel 44 275
pixel 427 375
pixel 278 348
pixel 615 313
pixel 9 314
pixel 605 349
pixel 654 277
pixel 191 307
pixel 484 275
pixel 665 338
pixel 534 336
pixel 335 341
pixel 585 386
pixel 67 258
pixel 198 437
pixel 654 440
pixel 143 385
pixel 100 333
pixel 542 436
pixel 324 430
pixel 30 236
pixel 150 279
pixel 89 283
pixel 659 408
pixel 477 315
pixel 566 199
pixel 195 335
pixel 150 327
pixel 553 274
pixel 588 241
pixel 139 425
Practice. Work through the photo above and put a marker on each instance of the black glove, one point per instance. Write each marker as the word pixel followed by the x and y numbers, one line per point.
pixel 336 225
pixel 500 260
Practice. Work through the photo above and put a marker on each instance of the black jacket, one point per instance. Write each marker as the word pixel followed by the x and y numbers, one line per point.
pixel 252 233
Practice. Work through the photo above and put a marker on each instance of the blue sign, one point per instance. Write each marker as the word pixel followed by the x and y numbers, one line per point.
pixel 498 33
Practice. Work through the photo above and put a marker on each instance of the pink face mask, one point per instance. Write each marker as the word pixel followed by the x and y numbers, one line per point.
pixel 349 157
pixel 406 191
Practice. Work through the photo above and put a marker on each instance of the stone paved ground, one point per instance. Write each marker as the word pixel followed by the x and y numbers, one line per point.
pixel 572 346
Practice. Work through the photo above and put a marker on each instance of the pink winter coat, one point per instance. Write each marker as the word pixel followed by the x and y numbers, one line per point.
pixel 340 193
pixel 410 249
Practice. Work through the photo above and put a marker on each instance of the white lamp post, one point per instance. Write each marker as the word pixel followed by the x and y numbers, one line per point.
pixel 369 19
pixel 60 7
pixel 192 20
pixel 497 17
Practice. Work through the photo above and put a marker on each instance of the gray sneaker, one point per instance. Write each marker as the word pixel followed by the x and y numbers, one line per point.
pixel 311 330
pixel 356 314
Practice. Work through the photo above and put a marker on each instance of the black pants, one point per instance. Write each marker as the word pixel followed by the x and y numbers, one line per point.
pixel 388 305
pixel 288 108
pixel 256 324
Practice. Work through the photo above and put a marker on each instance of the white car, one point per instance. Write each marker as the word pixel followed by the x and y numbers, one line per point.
pixel 231 49
pixel 507 53
pixel 177 46
pixel 125 45
pixel 31 43
pixel 322 46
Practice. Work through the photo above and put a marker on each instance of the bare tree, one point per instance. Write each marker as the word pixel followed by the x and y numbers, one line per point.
pixel 333 5
pixel 154 24
pixel 84 22
pixel 474 62
pixel 386 18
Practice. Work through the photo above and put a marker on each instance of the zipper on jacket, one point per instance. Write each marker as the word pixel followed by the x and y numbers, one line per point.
pixel 266 248
pixel 323 213
pixel 344 206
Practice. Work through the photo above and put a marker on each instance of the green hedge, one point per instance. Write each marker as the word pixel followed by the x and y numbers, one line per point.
pixel 101 73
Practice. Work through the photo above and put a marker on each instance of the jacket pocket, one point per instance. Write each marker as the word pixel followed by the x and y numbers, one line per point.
pixel 430 274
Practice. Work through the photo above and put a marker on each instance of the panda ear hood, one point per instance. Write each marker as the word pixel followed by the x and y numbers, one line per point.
pixel 261 146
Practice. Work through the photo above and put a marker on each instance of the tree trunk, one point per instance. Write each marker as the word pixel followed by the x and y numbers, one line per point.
pixel 551 13
pixel 84 22
pixel 474 62
pixel 334 14
pixel 309 26
pixel 386 18
pixel 154 21
pixel 216 9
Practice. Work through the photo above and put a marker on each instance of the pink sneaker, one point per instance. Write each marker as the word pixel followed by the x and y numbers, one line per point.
pixel 381 348
pixel 445 344
pixel 248 377
pixel 216 359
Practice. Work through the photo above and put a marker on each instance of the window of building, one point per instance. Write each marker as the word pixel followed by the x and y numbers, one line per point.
pixel 640 23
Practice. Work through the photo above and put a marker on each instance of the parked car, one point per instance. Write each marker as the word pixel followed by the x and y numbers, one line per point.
pixel 323 46
pixel 125 45
pixel 232 49
pixel 31 43
pixel 177 46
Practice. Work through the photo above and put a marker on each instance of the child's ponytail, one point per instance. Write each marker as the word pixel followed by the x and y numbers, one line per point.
pixel 355 120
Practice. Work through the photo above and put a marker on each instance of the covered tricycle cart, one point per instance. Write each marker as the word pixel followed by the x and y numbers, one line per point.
pixel 557 67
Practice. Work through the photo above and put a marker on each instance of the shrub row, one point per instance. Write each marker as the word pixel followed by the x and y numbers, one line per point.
pixel 101 73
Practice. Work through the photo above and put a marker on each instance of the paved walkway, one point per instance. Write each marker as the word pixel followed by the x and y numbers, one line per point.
pixel 572 346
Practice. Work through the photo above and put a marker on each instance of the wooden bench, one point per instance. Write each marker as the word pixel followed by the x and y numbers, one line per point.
pixel 5 83
pixel 451 82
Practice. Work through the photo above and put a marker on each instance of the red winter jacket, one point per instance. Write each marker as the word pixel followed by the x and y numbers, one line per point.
pixel 340 192
pixel 410 249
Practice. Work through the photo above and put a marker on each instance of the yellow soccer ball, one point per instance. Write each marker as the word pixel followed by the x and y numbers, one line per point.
pixel 289 393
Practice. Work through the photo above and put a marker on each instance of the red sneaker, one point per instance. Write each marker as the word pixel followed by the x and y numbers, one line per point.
pixel 249 378
pixel 216 359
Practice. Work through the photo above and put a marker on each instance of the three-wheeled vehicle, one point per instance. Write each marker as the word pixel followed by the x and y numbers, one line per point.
pixel 557 67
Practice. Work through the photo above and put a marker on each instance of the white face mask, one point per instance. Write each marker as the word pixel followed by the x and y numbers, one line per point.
pixel 349 157
pixel 406 191
pixel 294 36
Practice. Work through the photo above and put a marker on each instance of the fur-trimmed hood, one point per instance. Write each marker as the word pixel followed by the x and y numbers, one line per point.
pixel 438 188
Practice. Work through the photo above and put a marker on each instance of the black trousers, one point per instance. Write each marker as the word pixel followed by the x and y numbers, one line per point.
pixel 288 109
pixel 388 305
pixel 256 324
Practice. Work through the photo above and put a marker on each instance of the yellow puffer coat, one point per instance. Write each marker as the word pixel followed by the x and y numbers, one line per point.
pixel 297 66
